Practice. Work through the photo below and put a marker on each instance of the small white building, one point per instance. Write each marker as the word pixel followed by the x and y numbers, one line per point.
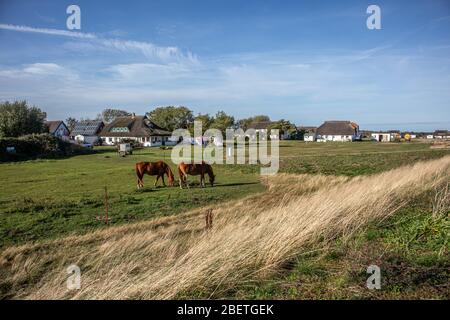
pixel 262 130
pixel 309 133
pixel 87 131
pixel 381 136
pixel 340 131
pixel 58 129
pixel 395 135
pixel 441 134
pixel 309 137
pixel 136 128
pixel 203 141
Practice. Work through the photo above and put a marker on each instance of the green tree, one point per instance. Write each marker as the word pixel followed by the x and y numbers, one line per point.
pixel 222 121
pixel 108 115
pixel 172 117
pixel 261 118
pixel 206 120
pixel 284 126
pixel 244 123
pixel 71 122
pixel 17 119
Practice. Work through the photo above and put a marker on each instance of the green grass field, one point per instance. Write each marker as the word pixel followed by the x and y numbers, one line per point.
pixel 43 199
pixel 47 198
pixel 352 159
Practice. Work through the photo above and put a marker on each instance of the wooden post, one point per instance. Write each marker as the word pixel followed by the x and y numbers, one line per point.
pixel 208 219
pixel 106 205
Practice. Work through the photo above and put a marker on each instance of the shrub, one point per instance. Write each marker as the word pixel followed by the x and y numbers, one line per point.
pixel 37 146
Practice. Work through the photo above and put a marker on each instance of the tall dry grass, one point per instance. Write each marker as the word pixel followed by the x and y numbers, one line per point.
pixel 441 200
pixel 250 239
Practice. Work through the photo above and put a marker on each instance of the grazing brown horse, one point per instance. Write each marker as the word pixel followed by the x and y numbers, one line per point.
pixel 195 169
pixel 158 169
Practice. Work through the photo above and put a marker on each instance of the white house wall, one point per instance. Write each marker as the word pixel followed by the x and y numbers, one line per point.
pixel 154 141
pixel 86 139
pixel 385 137
pixel 337 138
pixel 61 131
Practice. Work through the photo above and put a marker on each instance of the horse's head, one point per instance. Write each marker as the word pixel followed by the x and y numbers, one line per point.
pixel 212 177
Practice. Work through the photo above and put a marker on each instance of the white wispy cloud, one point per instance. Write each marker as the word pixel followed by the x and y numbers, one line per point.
pixel 140 72
pixel 55 32
pixel 43 68
pixel 39 69
pixel 303 87
pixel 148 49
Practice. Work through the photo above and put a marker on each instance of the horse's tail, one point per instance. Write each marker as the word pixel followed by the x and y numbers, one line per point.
pixel 136 166
pixel 170 174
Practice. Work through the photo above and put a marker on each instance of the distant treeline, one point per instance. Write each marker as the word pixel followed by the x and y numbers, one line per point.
pixel 180 117
pixel 17 119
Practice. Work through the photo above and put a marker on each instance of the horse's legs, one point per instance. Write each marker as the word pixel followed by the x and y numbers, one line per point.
pixel 162 177
pixel 186 180
pixel 157 178
pixel 181 179
pixel 139 180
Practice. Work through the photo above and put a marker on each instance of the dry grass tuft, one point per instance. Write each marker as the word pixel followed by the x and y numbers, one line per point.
pixel 441 201
pixel 250 239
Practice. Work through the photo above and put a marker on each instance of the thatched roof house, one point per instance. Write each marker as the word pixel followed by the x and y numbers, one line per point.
pixel 337 131
pixel 441 134
pixel 137 128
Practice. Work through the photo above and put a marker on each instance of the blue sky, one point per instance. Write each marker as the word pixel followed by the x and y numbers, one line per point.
pixel 305 61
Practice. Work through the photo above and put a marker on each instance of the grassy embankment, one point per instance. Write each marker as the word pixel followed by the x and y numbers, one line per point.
pixel 306 236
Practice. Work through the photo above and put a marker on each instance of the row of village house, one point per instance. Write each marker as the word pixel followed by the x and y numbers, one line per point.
pixel 134 128
pixel 142 130
pixel 318 134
